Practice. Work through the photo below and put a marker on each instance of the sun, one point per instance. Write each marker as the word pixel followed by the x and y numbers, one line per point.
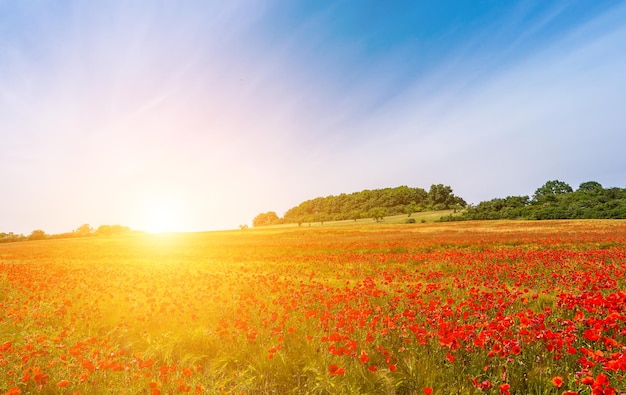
pixel 162 214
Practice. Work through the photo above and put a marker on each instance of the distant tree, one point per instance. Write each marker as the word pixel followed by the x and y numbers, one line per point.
pixel 264 219
pixel 111 230
pixel 590 186
pixel 84 230
pixel 354 214
pixel 11 237
pixel 549 191
pixel 441 197
pixel 377 213
pixel 104 230
pixel 37 235
pixel 398 200
pixel 412 208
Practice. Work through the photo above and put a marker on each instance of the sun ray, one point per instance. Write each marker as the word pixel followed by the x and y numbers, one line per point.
pixel 163 213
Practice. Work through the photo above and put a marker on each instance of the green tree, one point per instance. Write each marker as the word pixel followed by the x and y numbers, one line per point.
pixel 549 191
pixel 441 197
pixel 590 186
pixel 377 213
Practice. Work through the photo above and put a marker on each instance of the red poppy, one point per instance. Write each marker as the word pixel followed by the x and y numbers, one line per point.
pixel 63 383
pixel 15 390
pixel 516 349
pixel 557 381
pixel 364 358
pixel 336 370
pixel 587 380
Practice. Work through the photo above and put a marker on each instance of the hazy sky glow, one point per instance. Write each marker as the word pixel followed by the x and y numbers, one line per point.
pixel 211 112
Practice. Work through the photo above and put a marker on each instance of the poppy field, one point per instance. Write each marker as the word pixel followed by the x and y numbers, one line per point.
pixel 498 307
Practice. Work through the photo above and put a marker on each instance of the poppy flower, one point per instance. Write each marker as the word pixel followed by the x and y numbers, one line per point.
pixel 587 380
pixel 364 358
pixel 557 381
pixel 15 390
pixel 516 349
pixel 63 383
pixel 336 370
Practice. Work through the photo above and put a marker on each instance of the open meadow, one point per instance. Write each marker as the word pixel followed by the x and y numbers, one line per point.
pixel 444 308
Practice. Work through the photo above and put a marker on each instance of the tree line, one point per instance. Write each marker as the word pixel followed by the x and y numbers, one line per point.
pixel 84 230
pixel 553 200
pixel 375 204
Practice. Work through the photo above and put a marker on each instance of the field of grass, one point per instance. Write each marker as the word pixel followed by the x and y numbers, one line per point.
pixel 378 308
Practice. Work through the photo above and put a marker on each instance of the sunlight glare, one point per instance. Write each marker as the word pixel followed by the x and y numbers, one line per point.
pixel 163 214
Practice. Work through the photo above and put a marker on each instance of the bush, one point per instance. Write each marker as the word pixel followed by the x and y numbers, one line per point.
pixel 409 221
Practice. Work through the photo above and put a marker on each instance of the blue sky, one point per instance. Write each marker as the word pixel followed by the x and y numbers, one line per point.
pixel 198 115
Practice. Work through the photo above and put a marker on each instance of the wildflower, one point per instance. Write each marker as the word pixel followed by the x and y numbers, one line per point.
pixel 587 380
pixel 5 346
pixel 15 390
pixel 336 370
pixel 516 349
pixel 63 383
pixel 88 365
pixel 557 381
pixel 428 390
pixel 364 358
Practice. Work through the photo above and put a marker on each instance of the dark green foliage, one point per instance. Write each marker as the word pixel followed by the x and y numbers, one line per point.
pixel 550 191
pixel 440 197
pixel 554 200
pixel 374 204
pixel 511 207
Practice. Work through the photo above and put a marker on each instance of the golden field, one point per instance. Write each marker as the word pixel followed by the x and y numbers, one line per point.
pixel 472 307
